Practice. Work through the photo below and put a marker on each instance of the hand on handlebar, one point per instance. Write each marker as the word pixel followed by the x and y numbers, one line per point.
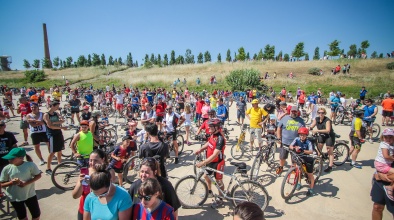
pixel 200 164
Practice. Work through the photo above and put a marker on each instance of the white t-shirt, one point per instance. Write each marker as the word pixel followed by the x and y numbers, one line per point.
pixel 379 156
pixel 187 117
pixel 168 120
pixel 107 88
pixel 145 115
pixel 343 101
pixel 119 98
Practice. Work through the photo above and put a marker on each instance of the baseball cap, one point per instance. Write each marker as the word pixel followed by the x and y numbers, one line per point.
pixel 14 153
pixel 255 101
pixel 294 108
pixel 86 107
pixel 84 122
pixel 388 132
pixel 127 137
pixel 272 116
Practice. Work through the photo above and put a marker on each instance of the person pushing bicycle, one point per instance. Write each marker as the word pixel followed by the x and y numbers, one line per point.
pixel 215 156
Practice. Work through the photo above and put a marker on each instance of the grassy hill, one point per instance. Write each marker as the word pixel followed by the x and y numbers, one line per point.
pixel 371 73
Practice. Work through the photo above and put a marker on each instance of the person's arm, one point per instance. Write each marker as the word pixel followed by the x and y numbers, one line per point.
pixel 247 114
pixel 92 128
pixel 78 189
pixel 313 124
pixel 86 215
pixel 32 180
pixel 125 215
pixel 51 124
pixel 203 148
pixel 386 154
pixel 279 133
pixel 325 131
pixel 73 145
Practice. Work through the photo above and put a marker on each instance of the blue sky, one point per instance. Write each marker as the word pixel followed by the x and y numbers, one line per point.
pixel 144 27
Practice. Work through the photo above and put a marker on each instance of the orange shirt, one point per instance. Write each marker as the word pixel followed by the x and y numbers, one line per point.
pixel 388 105
pixel 34 98
pixel 143 102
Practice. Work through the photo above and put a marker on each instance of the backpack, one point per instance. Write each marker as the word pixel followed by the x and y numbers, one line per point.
pixel 363 130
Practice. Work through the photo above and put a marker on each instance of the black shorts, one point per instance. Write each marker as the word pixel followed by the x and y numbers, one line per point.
pixel 37 138
pixel 217 166
pixel 56 142
pixel 135 109
pixel 326 139
pixel 378 195
pixel 308 161
pixel 159 118
pixel 362 98
pixel 355 141
pixel 173 134
pixel 75 110
pixel 31 203
pixel 118 170
pixel 387 113
pixel 133 146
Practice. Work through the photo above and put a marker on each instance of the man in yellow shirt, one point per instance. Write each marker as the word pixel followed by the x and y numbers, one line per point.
pixel 254 93
pixel 57 95
pixel 214 102
pixel 356 137
pixel 255 116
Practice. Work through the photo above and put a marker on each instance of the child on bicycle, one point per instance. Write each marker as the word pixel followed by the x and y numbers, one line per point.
pixel 104 119
pixel 385 158
pixel 301 145
pixel 119 157
pixel 271 127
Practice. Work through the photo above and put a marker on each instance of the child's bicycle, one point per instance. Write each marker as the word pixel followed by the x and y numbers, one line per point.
pixel 266 154
pixel 239 149
pixel 295 174
pixel 192 190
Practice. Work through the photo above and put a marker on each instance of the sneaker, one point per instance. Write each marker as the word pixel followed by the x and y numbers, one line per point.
pixel 298 187
pixel 48 172
pixel 176 160
pixel 217 203
pixel 389 190
pixel 328 169
pixel 356 166
pixel 383 125
pixel 310 192
pixel 188 143
pixel 370 141
pixel 279 170
pixel 42 162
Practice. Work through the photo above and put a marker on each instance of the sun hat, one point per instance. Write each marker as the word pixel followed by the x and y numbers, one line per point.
pixel 255 101
pixel 388 132
pixel 14 153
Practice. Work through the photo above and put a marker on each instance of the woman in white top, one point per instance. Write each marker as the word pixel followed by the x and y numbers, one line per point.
pixel 187 115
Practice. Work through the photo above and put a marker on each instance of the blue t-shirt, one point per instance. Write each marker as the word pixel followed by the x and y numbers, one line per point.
pixel 363 92
pixel 121 201
pixel 135 102
pixel 368 111
pixel 222 110
pixel 149 96
pixel 335 101
pixel 290 128
pixel 89 98
pixel 312 99
pixel 304 145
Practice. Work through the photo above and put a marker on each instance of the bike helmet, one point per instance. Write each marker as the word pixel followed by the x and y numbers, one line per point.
pixel 358 101
pixel 358 112
pixel 207 100
pixel 303 130
pixel 211 112
pixel 214 122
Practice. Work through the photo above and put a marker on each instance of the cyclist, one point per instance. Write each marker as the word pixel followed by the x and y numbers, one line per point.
pixel 160 108
pixel 86 115
pixel 24 109
pixel 215 156
pixel 326 135
pixel 171 122
pixel 119 100
pixel 199 104
pixel 241 109
pixel 135 104
pixel 89 98
pixel 388 106
pixel 205 109
pixel 255 115
pixel 148 116
pixel 222 112
pixel 119 157
pixel 82 144
pixel 357 133
pixel 334 102
pixel 75 105
pixel 370 112
pixel 301 145
pixel 204 125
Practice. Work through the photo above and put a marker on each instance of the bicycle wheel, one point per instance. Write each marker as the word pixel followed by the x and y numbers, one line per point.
pixel 110 136
pixel 181 143
pixel 250 191
pixel 289 183
pixel 341 153
pixel 131 169
pixel 338 119
pixel 67 152
pixel 191 193
pixel 375 130
pixel 238 150
pixel 271 155
pixel 317 168
pixel 254 172
pixel 65 175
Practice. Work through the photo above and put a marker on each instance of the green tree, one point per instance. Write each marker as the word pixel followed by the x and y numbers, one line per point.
pixel 180 60
pixel 298 51
pixel 46 63
pixel 89 61
pixel 269 52
pixel 286 57
pixel 129 60
pixel 147 62
pixel 172 58
pixel 207 56
pixel 158 62
pixel 26 64
pixel 69 61
pixel 35 75
pixel 239 80
pixel 96 60
pixel 189 57
pixel 316 55
pixel 381 55
pixel 120 61
pixel 110 60
pixel 56 62
pixel 254 56
pixel 280 56
pixel 136 63
pixel 200 58
pixel 235 56
pixel 247 56
pixel 228 57
pixel 165 61
pixel 364 46
pixel 325 53
pixel 153 59
pixel 260 55
pixel 306 56
pixel 374 55
pixel 219 58
pixel 241 54
pixel 334 48
pixel 81 61
pixel 103 62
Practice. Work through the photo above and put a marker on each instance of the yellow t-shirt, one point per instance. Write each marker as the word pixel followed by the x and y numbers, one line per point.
pixel 173 94
pixel 213 102
pixel 56 95
pixel 358 123
pixel 256 116
pixel 254 92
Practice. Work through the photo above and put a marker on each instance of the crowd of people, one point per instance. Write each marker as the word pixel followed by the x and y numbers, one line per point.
pixel 152 196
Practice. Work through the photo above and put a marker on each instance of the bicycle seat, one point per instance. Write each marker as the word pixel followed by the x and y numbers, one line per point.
pixel 241 165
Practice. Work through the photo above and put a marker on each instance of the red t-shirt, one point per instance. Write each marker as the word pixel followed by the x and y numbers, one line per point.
pixel 216 141
pixel 24 109
pixel 199 105
pixel 160 109
pixel 301 99
pixel 205 126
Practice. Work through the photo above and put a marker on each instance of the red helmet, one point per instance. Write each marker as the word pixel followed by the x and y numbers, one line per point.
pixel 303 130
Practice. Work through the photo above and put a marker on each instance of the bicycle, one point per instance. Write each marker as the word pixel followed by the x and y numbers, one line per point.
pixel 343 116
pixel 375 131
pixel 169 141
pixel 295 174
pixel 266 154
pixel 238 149
pixel 193 192
pixel 65 175
pixel 66 152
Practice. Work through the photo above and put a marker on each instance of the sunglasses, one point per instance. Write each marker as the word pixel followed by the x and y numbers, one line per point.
pixel 147 198
pixel 149 159
pixel 321 113
pixel 104 194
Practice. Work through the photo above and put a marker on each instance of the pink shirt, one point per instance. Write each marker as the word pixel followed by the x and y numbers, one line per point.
pixel 204 110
